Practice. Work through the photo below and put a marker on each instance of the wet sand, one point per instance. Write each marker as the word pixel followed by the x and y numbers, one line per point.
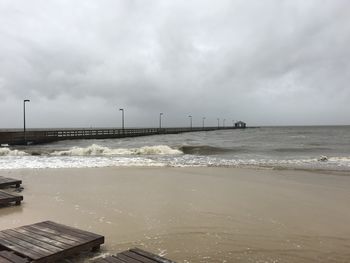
pixel 195 214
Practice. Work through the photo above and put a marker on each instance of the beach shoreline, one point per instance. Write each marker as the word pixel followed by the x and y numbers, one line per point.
pixel 202 214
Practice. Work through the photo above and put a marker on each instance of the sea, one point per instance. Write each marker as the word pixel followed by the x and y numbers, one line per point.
pixel 297 147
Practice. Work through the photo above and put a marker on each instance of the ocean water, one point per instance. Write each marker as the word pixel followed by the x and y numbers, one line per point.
pixel 320 148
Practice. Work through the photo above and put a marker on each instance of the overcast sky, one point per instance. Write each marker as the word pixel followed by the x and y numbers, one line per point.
pixel 267 62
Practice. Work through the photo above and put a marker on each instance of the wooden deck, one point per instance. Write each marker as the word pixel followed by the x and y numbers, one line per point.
pixel 6 182
pixel 7 198
pixel 10 257
pixel 134 255
pixel 48 241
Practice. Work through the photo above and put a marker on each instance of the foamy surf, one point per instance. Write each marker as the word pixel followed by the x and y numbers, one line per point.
pixel 97 150
pixel 8 152
pixel 58 162
pixel 64 161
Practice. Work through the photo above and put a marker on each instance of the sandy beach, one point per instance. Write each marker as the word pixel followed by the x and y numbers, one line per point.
pixel 195 214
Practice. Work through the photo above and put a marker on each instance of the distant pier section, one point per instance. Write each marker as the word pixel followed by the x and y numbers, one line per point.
pixel 36 136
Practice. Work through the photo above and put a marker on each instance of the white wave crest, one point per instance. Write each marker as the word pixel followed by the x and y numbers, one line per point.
pixel 342 159
pixel 8 152
pixel 57 162
pixel 97 150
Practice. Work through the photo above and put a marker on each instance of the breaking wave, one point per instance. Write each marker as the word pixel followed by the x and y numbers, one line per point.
pixel 97 150
pixel 206 149
pixel 8 152
pixel 340 159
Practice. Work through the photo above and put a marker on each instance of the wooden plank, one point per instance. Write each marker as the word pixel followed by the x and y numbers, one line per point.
pixel 151 256
pixel 4 194
pixel 47 242
pixel 126 259
pixel 5 260
pixel 136 256
pixel 35 242
pixel 5 182
pixel 43 238
pixel 72 251
pixel 10 200
pixel 11 257
pixel 61 239
pixel 93 235
pixel 72 231
pixel 14 246
pixel 7 198
pixel 25 244
pixel 58 233
pixel 4 179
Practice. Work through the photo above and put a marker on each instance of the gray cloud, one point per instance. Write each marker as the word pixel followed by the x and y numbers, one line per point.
pixel 266 62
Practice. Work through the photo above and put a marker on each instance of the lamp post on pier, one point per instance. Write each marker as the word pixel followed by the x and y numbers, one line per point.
pixel 218 123
pixel 224 123
pixel 190 116
pixel 122 110
pixel 24 120
pixel 203 119
pixel 160 120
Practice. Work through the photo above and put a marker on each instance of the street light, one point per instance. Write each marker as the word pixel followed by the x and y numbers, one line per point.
pixel 160 120
pixel 24 114
pixel 224 123
pixel 203 122
pixel 122 110
pixel 24 119
pixel 190 116
pixel 218 123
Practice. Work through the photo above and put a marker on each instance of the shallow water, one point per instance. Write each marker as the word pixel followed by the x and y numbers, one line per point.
pixel 195 214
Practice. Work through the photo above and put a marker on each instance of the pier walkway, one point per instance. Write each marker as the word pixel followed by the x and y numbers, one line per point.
pixel 51 135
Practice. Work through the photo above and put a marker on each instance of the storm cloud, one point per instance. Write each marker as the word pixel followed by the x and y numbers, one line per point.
pixel 271 62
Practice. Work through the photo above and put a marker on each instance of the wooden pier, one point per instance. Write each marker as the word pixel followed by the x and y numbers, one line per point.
pixel 45 242
pixel 50 135
pixel 135 255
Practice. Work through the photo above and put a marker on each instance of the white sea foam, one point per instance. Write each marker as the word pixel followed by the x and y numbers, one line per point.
pixel 97 150
pixel 340 159
pixel 41 162
pixel 8 152
pixel 63 161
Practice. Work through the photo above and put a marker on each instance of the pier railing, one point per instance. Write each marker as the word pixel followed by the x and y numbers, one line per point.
pixel 46 136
